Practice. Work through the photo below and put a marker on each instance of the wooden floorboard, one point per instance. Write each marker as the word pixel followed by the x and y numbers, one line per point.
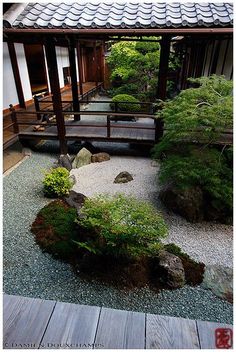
pixel 25 321
pixel 118 329
pixel 31 323
pixel 165 332
pixel 71 326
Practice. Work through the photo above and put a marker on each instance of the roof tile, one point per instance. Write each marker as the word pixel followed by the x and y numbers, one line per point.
pixel 125 14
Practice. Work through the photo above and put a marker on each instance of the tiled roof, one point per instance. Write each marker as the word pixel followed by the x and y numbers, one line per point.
pixel 133 14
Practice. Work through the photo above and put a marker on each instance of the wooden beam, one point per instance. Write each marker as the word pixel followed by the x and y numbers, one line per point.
pixel 163 67
pixel 80 68
pixel 56 94
pixel 16 73
pixel 126 31
pixel 73 74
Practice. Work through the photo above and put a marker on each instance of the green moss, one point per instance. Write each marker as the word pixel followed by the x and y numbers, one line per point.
pixel 55 229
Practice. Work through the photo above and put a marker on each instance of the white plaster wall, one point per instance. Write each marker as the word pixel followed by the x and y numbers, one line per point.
pixel 9 87
pixel 24 75
pixel 62 61
pixel 46 65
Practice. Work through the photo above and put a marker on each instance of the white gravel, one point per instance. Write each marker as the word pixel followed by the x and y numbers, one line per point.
pixel 207 242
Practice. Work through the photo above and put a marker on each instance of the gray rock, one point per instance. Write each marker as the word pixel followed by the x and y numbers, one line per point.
pixel 75 200
pixel 123 177
pixel 171 269
pixel 188 202
pixel 99 157
pixel 65 161
pixel 219 280
pixel 82 158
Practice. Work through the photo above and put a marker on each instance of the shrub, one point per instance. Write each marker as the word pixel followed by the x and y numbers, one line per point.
pixel 57 182
pixel 55 229
pixel 121 98
pixel 121 226
pixel 199 115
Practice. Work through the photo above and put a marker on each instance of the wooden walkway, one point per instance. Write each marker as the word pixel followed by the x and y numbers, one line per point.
pixel 31 323
pixel 10 137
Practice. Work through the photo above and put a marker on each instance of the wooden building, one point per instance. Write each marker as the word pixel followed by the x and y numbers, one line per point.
pixel 46 31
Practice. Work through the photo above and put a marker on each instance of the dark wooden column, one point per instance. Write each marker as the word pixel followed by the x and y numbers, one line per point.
pixel 80 68
pixel 16 73
pixel 56 93
pixel 95 62
pixel 163 67
pixel 74 86
pixel 162 81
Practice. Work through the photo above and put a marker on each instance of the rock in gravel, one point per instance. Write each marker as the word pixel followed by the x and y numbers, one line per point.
pixel 188 202
pixel 171 269
pixel 65 161
pixel 123 177
pixel 99 157
pixel 219 280
pixel 82 158
pixel 75 200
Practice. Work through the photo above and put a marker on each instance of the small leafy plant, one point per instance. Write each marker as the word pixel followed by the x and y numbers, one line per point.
pixel 57 182
pixel 121 226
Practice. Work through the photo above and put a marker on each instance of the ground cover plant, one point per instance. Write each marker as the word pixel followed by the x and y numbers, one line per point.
pixel 115 239
pixel 200 115
pixel 57 182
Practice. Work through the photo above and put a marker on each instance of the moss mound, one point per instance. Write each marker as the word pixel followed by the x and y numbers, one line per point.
pixel 55 229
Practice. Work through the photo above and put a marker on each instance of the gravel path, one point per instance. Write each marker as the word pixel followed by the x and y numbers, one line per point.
pixel 207 242
pixel 29 272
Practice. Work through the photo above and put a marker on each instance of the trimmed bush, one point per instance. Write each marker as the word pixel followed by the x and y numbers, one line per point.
pixel 126 107
pixel 121 226
pixel 57 182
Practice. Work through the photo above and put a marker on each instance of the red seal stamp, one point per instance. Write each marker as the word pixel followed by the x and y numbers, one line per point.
pixel 224 338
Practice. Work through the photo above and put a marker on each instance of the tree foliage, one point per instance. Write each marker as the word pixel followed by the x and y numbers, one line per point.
pixel 134 68
pixel 199 115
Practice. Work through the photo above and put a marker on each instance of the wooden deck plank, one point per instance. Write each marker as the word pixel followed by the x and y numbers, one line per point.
pixel 71 326
pixel 25 321
pixel 119 329
pixel 163 332
pixel 206 333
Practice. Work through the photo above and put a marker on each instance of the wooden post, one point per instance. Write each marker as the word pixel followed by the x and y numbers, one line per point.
pixel 37 107
pixel 16 73
pixel 14 119
pixel 163 67
pixel 56 94
pixel 95 62
pixel 74 86
pixel 80 67
pixel 108 127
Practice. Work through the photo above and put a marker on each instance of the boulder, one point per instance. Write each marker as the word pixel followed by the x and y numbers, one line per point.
pixel 65 161
pixel 171 269
pixel 123 177
pixel 219 280
pixel 99 157
pixel 75 200
pixel 82 158
pixel 188 202
pixel 89 146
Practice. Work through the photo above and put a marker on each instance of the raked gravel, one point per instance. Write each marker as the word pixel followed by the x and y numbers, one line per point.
pixel 30 272
pixel 207 242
